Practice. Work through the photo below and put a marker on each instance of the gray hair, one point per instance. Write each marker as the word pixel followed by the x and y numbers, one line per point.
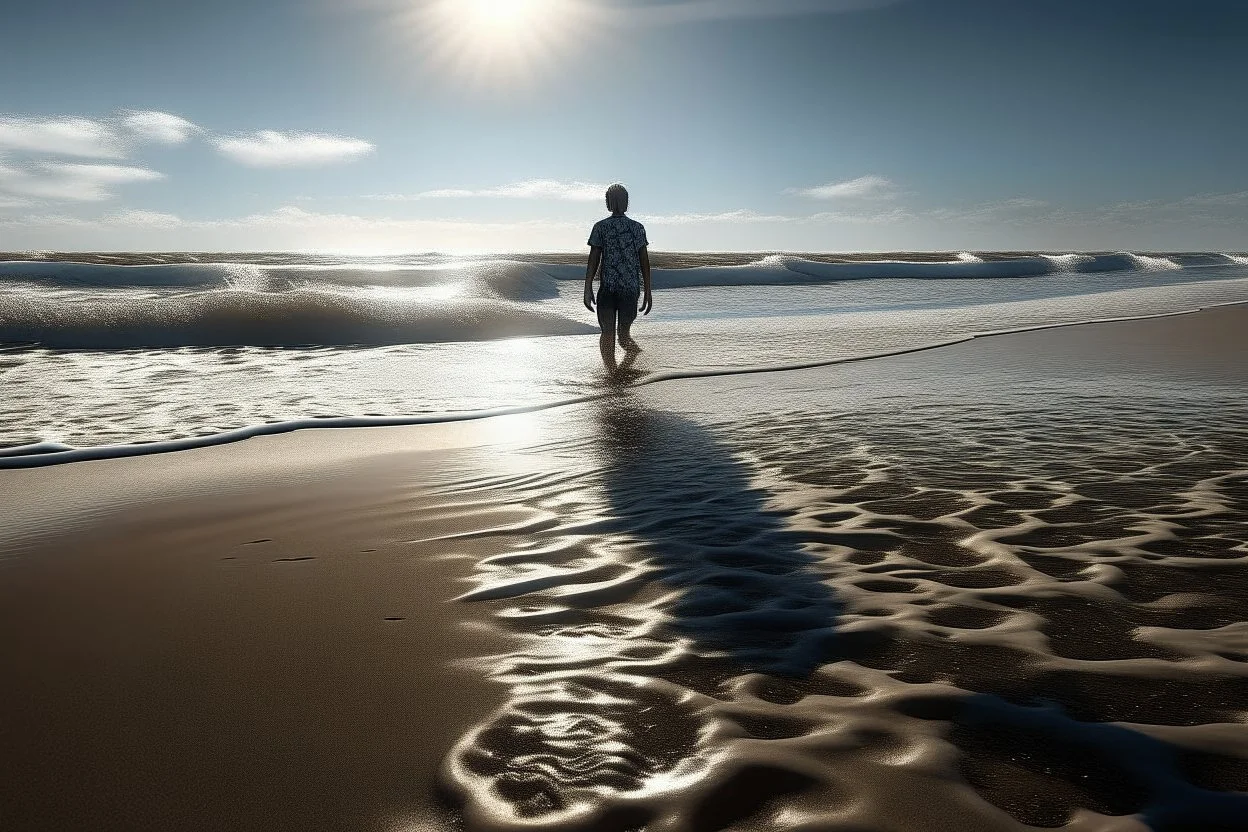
pixel 617 199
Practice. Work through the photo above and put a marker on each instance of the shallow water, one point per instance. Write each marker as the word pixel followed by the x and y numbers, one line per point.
pixel 961 594
pixel 104 353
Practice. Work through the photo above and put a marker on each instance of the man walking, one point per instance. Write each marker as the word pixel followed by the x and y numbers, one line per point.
pixel 618 251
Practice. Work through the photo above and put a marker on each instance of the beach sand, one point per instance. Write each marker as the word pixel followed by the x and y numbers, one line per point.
pixel 988 586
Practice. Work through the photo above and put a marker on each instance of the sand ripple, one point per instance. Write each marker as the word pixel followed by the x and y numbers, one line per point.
pixel 962 616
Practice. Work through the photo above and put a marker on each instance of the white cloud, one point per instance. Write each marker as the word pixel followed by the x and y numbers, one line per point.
pixel 271 148
pixel 163 128
pixel 893 215
pixel 740 215
pixel 61 137
pixel 137 218
pixel 441 193
pixel 69 182
pixel 745 216
pixel 294 216
pixel 864 187
pixel 92 138
pixel 527 189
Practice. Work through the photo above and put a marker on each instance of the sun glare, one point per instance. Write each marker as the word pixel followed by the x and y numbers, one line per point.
pixel 496 40
pixel 502 18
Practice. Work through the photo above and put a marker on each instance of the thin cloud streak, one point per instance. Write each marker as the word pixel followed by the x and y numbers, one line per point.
pixel 745 216
pixel 527 189
pixel 145 219
pixel 272 148
pixel 988 211
pixel 162 128
pixel 92 138
pixel 864 187
pixel 70 182
pixel 741 215
pixel 70 136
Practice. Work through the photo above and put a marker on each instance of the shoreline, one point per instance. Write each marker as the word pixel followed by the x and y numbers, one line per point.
pixel 42 454
pixel 661 258
pixel 1019 543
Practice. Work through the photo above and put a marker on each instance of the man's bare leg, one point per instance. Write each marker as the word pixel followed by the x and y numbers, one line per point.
pixel 626 340
pixel 606 344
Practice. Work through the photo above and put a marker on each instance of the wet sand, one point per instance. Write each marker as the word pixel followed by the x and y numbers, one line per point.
pixel 989 586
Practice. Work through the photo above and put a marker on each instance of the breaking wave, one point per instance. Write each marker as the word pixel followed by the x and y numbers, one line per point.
pixel 106 305
pixel 292 318
pixel 496 278
pixel 516 280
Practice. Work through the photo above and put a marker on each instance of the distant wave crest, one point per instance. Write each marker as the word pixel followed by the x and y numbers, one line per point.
pixel 248 318
pixel 493 278
pixel 94 305
pixel 515 280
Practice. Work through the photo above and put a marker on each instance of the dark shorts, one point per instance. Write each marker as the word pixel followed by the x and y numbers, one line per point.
pixel 615 309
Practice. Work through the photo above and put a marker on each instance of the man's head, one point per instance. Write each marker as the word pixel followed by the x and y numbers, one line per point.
pixel 617 199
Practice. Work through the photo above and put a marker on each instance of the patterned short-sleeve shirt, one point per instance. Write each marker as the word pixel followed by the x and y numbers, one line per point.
pixel 621 240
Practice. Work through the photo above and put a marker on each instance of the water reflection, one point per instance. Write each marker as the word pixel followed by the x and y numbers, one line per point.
pixel 643 588
pixel 748 588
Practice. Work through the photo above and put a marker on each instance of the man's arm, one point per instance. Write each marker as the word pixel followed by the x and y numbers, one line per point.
pixel 647 302
pixel 595 259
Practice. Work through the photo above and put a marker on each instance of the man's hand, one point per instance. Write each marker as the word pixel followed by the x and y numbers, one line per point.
pixel 647 303
pixel 591 271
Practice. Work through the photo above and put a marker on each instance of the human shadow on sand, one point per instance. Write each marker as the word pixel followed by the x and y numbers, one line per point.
pixel 692 580
pixel 749 591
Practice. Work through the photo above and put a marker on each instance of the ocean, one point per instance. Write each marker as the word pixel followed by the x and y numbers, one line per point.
pixel 997 585
pixel 108 355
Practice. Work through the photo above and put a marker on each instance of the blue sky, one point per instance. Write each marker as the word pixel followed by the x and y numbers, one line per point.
pixel 379 126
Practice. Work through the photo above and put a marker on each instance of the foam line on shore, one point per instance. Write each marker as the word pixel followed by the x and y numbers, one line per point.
pixel 45 453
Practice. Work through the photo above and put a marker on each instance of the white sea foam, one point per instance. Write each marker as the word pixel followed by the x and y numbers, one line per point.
pixel 1149 264
pixel 1067 262
pixel 43 453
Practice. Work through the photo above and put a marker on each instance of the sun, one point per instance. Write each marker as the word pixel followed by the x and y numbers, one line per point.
pixel 503 18
pixel 497 40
